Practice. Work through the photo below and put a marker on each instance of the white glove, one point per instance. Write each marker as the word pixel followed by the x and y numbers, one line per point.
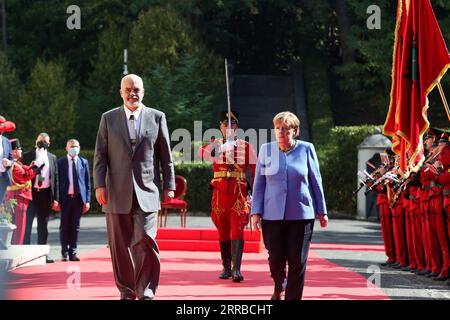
pixel 227 146
pixel 38 162
pixel 6 163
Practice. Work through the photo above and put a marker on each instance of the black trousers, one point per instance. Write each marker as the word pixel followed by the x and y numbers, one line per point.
pixel 40 206
pixel 69 227
pixel 134 252
pixel 288 242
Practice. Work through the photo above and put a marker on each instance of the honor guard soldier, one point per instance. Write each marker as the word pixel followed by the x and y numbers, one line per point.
pixel 444 180
pixel 230 207
pixel 20 189
pixel 386 216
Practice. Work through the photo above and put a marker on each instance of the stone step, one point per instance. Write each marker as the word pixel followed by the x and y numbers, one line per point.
pixel 17 256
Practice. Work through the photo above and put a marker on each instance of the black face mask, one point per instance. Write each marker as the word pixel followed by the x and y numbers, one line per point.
pixel 42 144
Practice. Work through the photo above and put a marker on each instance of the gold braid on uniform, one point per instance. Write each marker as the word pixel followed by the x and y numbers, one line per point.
pixel 217 208
pixel 241 201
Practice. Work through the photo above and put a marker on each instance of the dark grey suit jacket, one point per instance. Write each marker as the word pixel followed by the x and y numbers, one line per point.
pixel 122 170
pixel 30 156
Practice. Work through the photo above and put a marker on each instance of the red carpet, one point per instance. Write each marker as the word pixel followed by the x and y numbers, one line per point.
pixel 185 275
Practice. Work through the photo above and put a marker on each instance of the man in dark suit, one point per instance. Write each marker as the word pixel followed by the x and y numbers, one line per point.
pixel 132 142
pixel 74 197
pixel 45 189
pixel 6 158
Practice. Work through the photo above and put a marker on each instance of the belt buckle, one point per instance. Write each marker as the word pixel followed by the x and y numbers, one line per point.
pixel 228 174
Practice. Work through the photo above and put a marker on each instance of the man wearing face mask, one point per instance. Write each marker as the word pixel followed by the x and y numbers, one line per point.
pixel 45 189
pixel 74 197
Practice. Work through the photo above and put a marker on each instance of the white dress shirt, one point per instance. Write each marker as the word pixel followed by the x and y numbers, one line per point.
pixel 133 126
pixel 42 157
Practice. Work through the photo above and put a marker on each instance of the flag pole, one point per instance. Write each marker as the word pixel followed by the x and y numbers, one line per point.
pixel 444 100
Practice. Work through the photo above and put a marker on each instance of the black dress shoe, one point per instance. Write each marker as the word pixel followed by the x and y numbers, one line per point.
pixel 74 258
pixel 440 278
pixel 146 298
pixel 127 297
pixel 397 266
pixel 432 275
pixel 48 260
pixel 406 268
pixel 423 272
pixel 65 258
pixel 387 263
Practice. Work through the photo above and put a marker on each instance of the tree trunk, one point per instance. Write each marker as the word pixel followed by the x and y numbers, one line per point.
pixel 348 54
pixel 3 23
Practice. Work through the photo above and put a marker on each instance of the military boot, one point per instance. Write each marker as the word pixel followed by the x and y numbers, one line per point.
pixel 237 248
pixel 225 252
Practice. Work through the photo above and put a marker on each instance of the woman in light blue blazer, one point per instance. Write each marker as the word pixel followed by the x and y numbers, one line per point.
pixel 287 197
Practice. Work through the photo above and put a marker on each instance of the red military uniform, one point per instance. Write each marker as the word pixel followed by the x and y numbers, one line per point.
pixel 416 217
pixel 444 180
pixel 229 206
pixel 386 224
pixel 398 223
pixel 20 189
pixel 429 232
pixel 409 229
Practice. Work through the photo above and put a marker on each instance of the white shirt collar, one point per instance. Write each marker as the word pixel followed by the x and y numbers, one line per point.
pixel 70 158
pixel 136 113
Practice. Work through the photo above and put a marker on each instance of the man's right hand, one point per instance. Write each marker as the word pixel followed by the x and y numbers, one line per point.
pixel 102 195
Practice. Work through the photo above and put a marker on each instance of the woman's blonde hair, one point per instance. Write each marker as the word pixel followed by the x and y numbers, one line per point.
pixel 290 119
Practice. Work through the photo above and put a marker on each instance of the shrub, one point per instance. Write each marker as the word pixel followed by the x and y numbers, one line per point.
pixel 338 165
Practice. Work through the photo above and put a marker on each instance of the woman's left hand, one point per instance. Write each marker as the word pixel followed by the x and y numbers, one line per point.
pixel 323 218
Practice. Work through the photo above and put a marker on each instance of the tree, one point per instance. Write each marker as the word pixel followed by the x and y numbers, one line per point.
pixel 183 78
pixel 160 37
pixel 178 93
pixel 47 105
pixel 101 91
pixel 10 88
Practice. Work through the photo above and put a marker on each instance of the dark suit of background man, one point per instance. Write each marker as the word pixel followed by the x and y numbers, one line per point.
pixel 132 142
pixel 45 189
pixel 74 197
pixel 6 158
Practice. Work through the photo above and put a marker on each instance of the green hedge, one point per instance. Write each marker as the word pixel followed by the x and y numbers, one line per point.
pixel 198 176
pixel 338 164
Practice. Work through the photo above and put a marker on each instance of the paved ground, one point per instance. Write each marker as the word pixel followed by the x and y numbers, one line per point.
pixel 397 284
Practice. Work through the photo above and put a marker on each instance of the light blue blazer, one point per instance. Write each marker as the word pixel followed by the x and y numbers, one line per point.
pixel 288 186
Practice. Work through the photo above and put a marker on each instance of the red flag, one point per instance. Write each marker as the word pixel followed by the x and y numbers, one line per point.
pixel 420 60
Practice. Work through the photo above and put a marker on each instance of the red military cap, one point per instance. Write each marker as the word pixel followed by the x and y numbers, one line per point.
pixel 444 138
pixel 6 126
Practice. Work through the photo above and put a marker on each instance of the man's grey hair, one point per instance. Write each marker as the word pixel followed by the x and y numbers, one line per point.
pixel 72 140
